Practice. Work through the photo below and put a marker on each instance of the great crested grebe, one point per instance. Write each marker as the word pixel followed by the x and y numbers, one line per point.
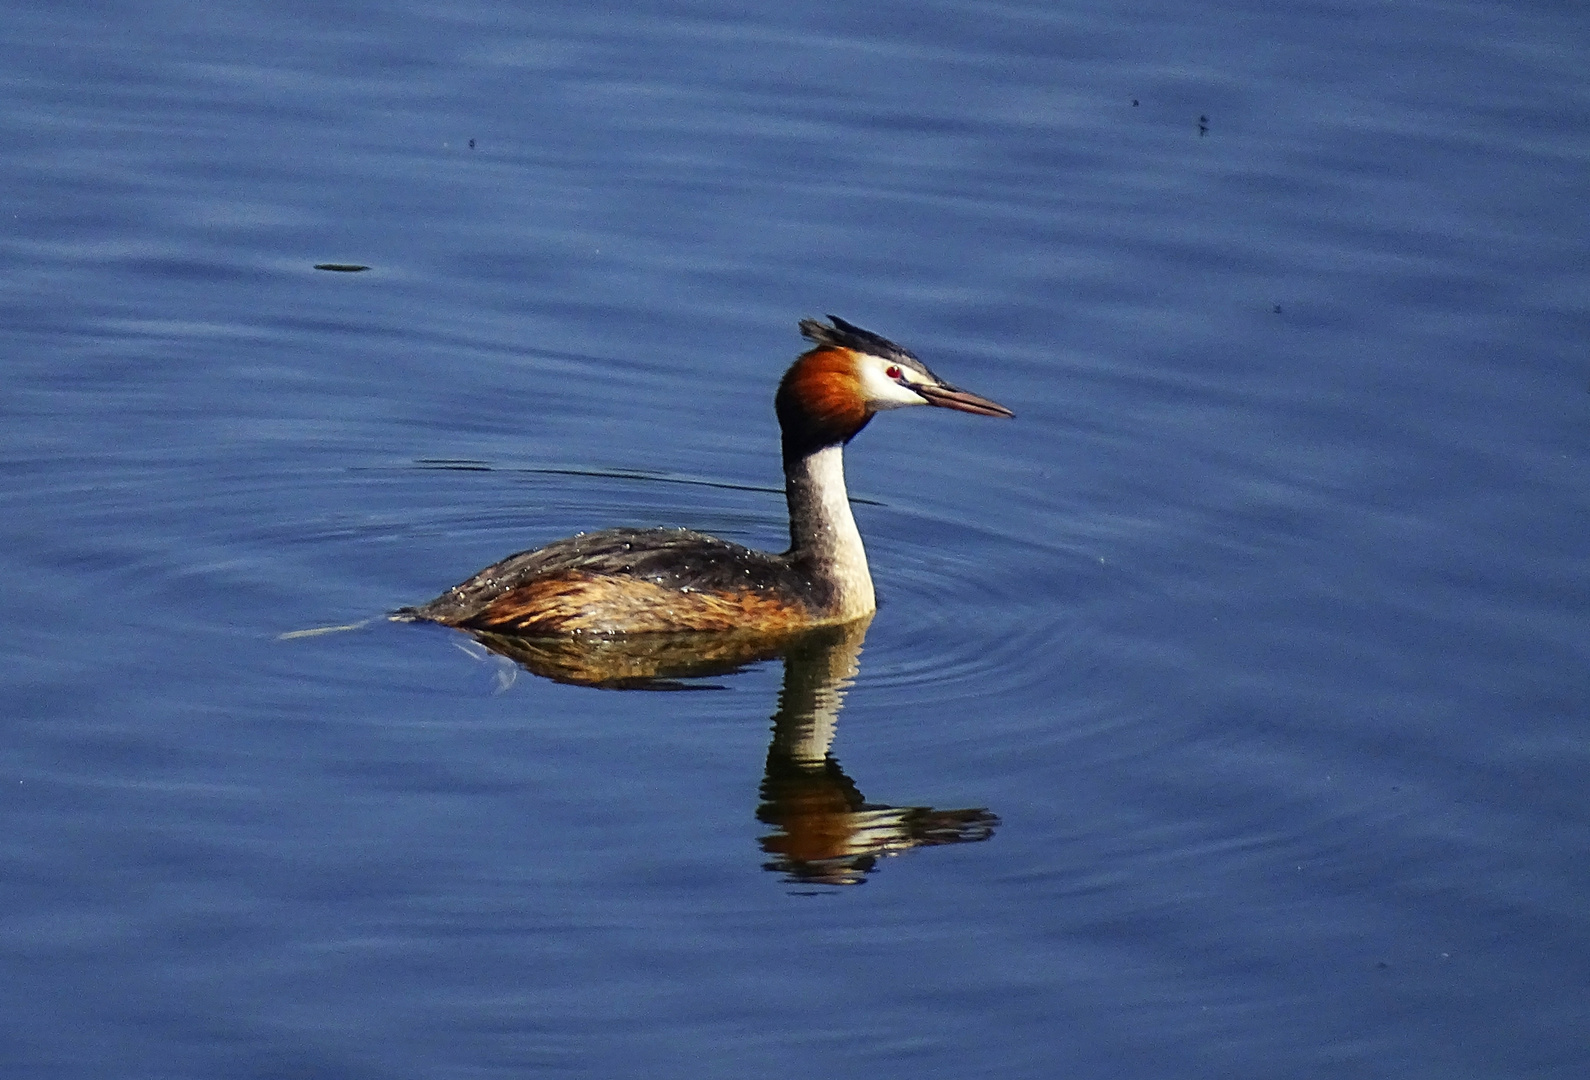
pixel 629 581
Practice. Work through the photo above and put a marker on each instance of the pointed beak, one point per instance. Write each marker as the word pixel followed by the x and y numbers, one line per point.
pixel 950 397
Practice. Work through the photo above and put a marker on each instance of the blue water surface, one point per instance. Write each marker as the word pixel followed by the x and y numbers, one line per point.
pixel 1261 631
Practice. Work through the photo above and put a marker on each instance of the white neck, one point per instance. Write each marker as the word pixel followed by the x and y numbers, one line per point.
pixel 823 533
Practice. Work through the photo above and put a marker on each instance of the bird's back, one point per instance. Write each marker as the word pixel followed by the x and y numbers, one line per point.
pixel 629 581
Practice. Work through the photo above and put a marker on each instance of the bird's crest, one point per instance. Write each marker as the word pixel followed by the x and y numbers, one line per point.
pixel 846 335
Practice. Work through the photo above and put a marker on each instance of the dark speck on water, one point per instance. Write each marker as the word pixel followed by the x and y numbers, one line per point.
pixel 1263 642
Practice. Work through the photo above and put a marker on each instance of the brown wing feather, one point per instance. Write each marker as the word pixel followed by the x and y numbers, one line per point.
pixel 578 603
pixel 629 581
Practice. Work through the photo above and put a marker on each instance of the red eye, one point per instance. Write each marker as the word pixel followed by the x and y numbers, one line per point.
pixel 893 372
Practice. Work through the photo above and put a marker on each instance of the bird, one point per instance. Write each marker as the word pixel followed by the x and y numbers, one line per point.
pixel 627 581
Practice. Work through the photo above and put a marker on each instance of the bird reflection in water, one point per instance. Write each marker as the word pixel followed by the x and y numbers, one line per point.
pixel 825 832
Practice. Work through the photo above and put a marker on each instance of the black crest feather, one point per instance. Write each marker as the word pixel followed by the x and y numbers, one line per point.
pixel 847 335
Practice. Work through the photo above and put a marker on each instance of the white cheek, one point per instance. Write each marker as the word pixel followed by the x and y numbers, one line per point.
pixel 883 392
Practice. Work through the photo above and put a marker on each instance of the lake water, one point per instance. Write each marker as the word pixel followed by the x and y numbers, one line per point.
pixel 1225 714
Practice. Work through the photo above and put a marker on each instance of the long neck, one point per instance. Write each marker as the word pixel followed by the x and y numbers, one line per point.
pixel 823 535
